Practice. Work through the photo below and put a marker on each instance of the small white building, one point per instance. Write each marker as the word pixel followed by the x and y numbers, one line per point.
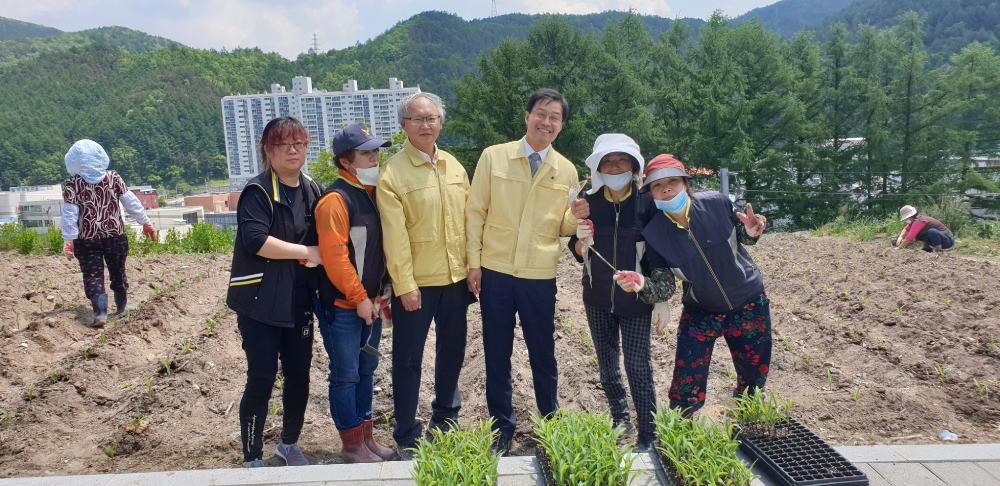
pixel 12 200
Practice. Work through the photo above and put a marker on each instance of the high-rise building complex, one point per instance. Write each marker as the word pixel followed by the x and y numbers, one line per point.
pixel 323 113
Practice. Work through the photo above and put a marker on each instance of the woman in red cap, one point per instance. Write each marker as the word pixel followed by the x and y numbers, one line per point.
pixel 700 238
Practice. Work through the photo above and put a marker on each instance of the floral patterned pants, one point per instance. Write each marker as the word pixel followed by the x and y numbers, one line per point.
pixel 92 254
pixel 747 331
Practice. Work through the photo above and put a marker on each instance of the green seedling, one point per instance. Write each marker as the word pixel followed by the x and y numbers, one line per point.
pixel 31 392
pixel 981 389
pixel 209 326
pixel 805 278
pixel 7 417
pixel 807 360
pixel 759 413
pixel 562 436
pixel 149 388
pixel 459 456
pixel 139 418
pixel 794 303
pixel 840 320
pixel 274 408
pixel 53 376
pixel 857 395
pixel 899 311
pixel 110 451
pixel 926 278
pixel 788 344
pixel 864 302
pixel 85 354
pixel 947 301
pixel 280 383
pixel 815 313
pixel 699 450
pixel 941 372
pixel 731 374
pixel 881 342
pixel 127 385
pixel 847 292
pixel 17 321
pixel 101 336
pixel 186 345
pixel 166 363
pixel 845 276
pixel 40 308
pixel 825 287
pixel 829 380
pixel 899 396
pixel 919 295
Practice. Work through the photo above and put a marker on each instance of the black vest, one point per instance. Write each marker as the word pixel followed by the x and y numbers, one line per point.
pixel 261 288
pixel 616 239
pixel 364 245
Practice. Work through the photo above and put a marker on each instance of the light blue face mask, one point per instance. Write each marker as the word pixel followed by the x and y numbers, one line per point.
pixel 674 205
pixel 616 182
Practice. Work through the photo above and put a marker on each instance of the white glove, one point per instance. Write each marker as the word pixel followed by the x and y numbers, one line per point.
pixel 630 281
pixel 899 241
pixel 585 230
pixel 661 316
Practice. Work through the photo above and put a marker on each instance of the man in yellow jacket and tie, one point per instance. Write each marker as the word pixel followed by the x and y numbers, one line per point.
pixel 421 199
pixel 518 208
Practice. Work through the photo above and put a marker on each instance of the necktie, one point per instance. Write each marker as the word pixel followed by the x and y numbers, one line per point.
pixel 535 161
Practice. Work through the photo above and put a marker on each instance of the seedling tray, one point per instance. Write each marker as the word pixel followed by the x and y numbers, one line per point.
pixel 543 460
pixel 796 456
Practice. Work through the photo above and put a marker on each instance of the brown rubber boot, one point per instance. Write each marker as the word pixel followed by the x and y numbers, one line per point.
pixel 355 449
pixel 384 452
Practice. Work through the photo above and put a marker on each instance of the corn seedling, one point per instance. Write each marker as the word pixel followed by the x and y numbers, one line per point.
pixel 926 278
pixel 857 395
pixel 919 295
pixel 815 313
pixel 31 392
pixel 209 326
pixel 899 311
pixel 149 388
pixel 699 451
pixel 110 451
pixel 274 408
pixel 459 456
pixel 947 301
pixel 731 374
pixel 54 376
pixel 807 360
pixel 847 292
pixel 981 389
pixel 829 380
pixel 941 372
pixel 186 345
pixel 139 418
pixel 280 383
pixel 759 413
pixel 788 344
pixel 85 354
pixel 881 342
pixel 864 302
pixel 825 287
pixel 794 303
pixel 41 309
pixel 166 363
pixel 581 448
pixel 6 418
pixel 101 336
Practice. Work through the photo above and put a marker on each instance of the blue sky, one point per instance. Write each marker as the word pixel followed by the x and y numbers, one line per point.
pixel 287 26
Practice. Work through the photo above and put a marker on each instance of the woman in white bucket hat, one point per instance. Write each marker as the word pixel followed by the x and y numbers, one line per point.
pixel 932 233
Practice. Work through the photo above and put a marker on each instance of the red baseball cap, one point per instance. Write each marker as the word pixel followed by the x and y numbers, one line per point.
pixel 661 167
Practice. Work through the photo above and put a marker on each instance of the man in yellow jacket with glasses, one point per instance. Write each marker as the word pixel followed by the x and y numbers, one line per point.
pixel 421 199
pixel 518 208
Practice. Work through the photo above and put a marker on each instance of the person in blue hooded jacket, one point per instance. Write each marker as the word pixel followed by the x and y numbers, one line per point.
pixel 701 239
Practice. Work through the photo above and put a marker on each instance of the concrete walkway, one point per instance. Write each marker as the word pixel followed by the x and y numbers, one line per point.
pixel 930 465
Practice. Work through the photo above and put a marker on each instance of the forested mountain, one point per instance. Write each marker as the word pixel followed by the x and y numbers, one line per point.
pixel 16 29
pixel 132 41
pixel 949 25
pixel 790 16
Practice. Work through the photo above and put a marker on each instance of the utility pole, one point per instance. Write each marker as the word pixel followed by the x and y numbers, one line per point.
pixel 493 12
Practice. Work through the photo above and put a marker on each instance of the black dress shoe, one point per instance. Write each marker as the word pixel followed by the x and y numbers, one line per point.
pixel 406 453
pixel 501 445
pixel 444 426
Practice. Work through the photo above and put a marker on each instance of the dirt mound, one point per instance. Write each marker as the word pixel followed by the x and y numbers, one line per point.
pixel 873 345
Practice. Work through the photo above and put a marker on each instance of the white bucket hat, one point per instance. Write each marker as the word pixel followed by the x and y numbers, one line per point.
pixel 907 212
pixel 610 143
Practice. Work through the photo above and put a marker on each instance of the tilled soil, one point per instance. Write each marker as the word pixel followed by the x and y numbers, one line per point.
pixel 873 345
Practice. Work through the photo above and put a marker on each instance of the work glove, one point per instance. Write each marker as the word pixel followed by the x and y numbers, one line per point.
pixel 68 249
pixel 149 231
pixel 899 241
pixel 382 304
pixel 629 281
pixel 585 231
pixel 661 316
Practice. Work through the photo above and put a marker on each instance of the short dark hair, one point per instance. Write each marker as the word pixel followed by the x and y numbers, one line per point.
pixel 347 156
pixel 278 130
pixel 551 95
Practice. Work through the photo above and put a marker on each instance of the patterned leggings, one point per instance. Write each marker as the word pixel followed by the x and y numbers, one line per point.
pixel 92 255
pixel 605 327
pixel 747 331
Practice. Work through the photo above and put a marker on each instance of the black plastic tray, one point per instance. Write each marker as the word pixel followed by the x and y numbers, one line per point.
pixel 799 457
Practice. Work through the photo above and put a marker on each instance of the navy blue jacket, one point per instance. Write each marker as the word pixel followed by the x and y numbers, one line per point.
pixel 617 237
pixel 718 274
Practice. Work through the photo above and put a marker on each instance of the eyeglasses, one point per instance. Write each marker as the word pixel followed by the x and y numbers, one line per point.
pixel 431 121
pixel 287 147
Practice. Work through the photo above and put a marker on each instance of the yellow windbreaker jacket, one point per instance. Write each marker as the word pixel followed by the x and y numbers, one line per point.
pixel 513 221
pixel 423 219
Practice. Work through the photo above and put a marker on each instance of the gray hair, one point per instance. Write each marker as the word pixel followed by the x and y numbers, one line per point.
pixel 404 104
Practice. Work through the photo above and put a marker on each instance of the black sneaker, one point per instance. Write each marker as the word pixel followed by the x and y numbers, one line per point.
pixel 501 445
pixel 443 426
pixel 405 452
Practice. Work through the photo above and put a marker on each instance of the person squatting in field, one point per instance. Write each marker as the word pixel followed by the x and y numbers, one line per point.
pixel 92 225
pixel 919 227
pixel 612 216
pixel 700 238
pixel 272 285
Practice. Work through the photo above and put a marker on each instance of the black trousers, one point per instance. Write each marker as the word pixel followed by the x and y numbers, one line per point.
pixel 504 299
pixel 448 307
pixel 265 345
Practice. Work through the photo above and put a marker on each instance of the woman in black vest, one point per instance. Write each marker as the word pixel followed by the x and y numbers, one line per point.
pixel 272 285
pixel 356 287
pixel 616 213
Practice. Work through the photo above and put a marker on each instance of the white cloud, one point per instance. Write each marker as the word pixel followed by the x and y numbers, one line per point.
pixel 647 7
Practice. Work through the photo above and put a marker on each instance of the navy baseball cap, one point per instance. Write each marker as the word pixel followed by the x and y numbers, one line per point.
pixel 358 137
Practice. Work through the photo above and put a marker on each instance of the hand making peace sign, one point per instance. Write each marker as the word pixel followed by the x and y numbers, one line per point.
pixel 755 222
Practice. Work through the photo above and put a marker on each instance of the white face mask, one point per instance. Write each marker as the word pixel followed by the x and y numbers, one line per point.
pixel 617 181
pixel 369 176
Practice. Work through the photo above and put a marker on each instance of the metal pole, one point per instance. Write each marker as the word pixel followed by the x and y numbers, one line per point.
pixel 724 173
